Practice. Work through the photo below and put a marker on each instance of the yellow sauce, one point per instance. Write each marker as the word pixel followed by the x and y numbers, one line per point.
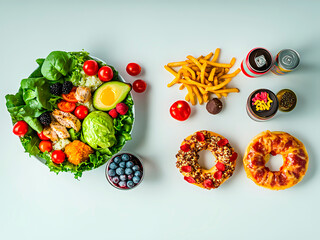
pixel 108 96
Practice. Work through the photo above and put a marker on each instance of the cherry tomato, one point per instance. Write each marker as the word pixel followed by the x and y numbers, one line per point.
pixel 45 146
pixel 105 73
pixel 71 96
pixel 81 112
pixel 20 128
pixel 90 67
pixel 58 156
pixel 180 110
pixel 133 69
pixel 139 86
pixel 66 106
pixel 42 136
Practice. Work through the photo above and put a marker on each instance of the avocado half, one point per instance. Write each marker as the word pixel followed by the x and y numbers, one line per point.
pixel 109 94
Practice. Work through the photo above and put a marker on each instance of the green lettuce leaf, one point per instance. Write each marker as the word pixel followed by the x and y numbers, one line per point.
pixel 37 73
pixel 77 65
pixel 56 65
pixel 30 142
pixel 74 135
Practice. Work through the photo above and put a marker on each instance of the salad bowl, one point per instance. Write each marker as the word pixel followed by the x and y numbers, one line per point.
pixel 89 141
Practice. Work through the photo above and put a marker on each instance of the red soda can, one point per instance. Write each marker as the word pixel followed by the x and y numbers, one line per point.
pixel 257 62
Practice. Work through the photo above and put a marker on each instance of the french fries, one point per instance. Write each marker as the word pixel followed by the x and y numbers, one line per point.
pixel 203 76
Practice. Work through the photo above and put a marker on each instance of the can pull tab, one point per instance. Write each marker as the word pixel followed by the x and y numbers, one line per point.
pixel 288 60
pixel 260 61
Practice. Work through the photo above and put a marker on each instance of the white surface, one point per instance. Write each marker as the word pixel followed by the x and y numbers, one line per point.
pixel 37 204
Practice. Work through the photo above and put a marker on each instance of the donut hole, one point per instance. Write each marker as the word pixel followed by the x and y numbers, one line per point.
pixel 275 162
pixel 206 159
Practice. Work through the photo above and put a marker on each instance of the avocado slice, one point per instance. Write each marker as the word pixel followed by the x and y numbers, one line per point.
pixel 109 94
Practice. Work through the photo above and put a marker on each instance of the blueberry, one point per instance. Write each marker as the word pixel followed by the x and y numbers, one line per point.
pixel 138 174
pixel 122 164
pixel 120 171
pixel 116 179
pixel 136 179
pixel 111 173
pixel 128 171
pixel 113 165
pixel 123 177
pixel 129 164
pixel 130 184
pixel 125 157
pixel 130 177
pixel 117 159
pixel 122 184
pixel 135 168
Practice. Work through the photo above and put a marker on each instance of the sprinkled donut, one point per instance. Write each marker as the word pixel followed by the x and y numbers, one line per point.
pixel 295 160
pixel 187 159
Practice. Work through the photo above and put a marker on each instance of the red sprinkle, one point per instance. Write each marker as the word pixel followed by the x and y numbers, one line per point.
pixel 218 175
pixel 222 142
pixel 208 183
pixel 220 166
pixel 200 136
pixel 186 168
pixel 185 147
pixel 189 179
pixel 273 153
pixel 234 156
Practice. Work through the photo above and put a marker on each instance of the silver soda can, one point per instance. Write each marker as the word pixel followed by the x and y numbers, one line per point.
pixel 286 61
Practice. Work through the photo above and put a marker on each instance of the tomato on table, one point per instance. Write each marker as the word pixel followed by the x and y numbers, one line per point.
pixel 133 69
pixel 180 110
pixel 20 128
pixel 42 136
pixel 45 146
pixel 58 156
pixel 70 97
pixel 105 73
pixel 81 112
pixel 90 67
pixel 139 86
pixel 66 106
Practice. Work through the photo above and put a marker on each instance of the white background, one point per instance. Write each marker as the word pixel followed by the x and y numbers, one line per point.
pixel 37 204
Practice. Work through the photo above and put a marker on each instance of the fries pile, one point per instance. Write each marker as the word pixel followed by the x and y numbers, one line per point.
pixel 203 76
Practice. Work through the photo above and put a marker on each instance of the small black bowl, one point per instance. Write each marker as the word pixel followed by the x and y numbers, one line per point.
pixel 129 176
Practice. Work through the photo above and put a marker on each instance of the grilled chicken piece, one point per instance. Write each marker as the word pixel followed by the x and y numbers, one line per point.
pixel 60 130
pixel 67 119
pixel 83 94
pixel 49 133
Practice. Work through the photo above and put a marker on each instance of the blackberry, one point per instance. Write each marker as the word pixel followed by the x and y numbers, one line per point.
pixel 45 118
pixel 66 87
pixel 56 89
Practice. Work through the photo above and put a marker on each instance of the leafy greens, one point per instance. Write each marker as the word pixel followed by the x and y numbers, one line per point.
pixel 56 65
